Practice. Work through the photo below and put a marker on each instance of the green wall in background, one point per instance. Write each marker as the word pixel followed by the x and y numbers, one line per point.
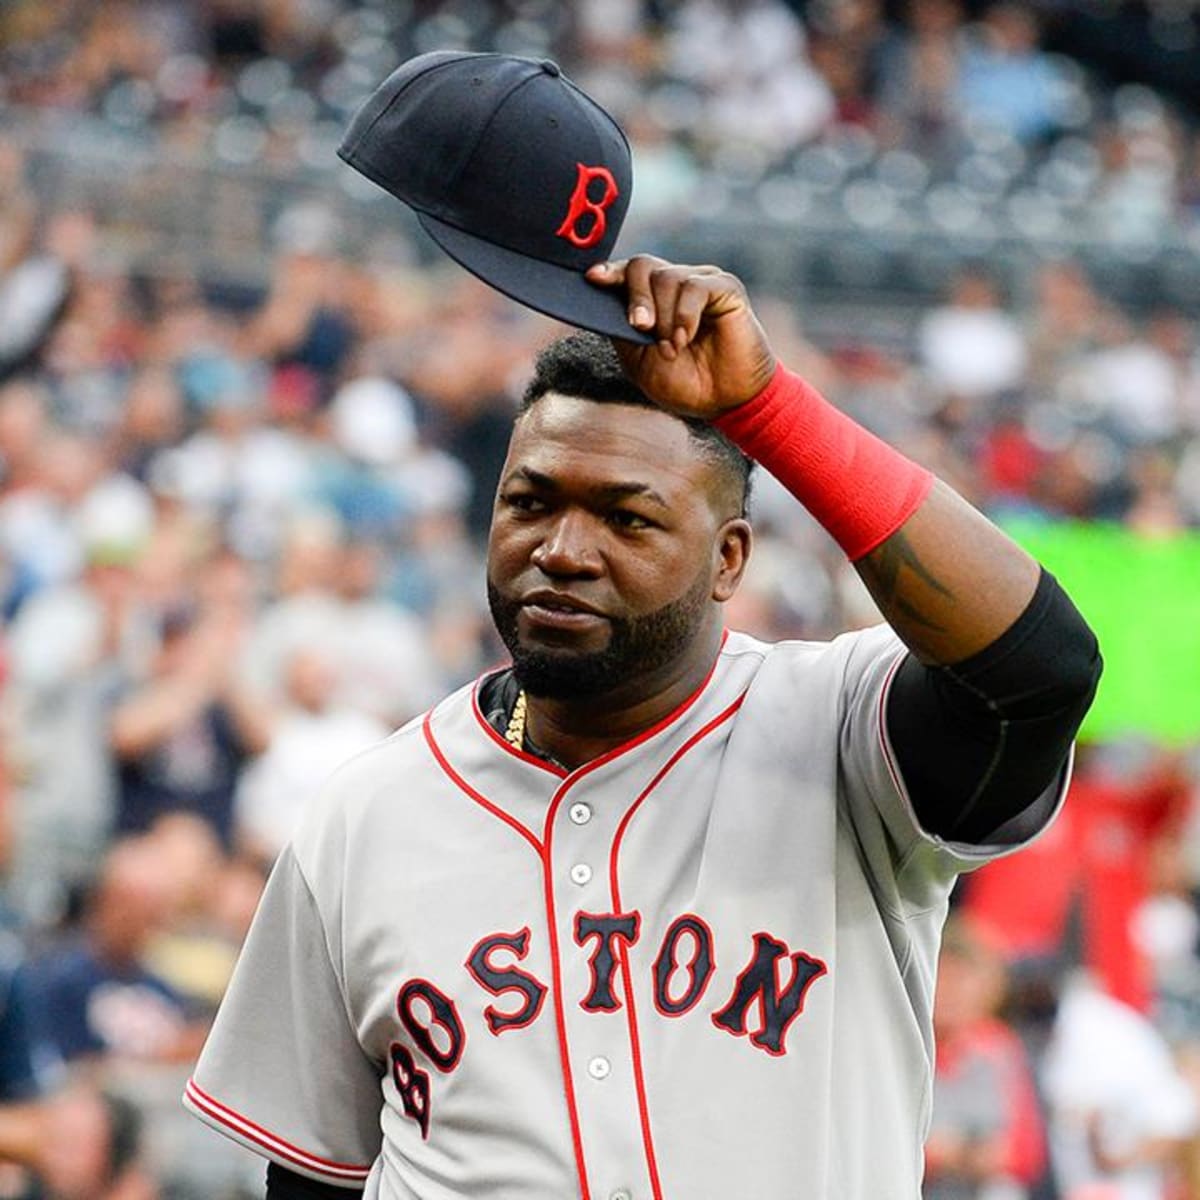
pixel 1142 597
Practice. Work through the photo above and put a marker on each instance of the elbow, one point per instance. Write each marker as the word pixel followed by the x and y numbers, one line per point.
pixel 1055 662
pixel 1078 667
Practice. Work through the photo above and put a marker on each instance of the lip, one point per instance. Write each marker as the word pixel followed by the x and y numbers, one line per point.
pixel 559 602
pixel 559 611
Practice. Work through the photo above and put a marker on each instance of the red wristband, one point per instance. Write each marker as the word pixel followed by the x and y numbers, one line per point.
pixel 859 488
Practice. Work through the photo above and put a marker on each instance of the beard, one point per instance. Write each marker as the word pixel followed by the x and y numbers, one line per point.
pixel 636 646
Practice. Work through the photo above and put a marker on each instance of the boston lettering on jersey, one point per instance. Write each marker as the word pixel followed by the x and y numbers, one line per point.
pixel 681 973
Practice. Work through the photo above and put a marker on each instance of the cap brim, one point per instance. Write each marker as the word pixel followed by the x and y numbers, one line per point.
pixel 558 292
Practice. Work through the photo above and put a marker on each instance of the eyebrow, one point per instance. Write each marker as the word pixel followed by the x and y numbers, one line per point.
pixel 606 492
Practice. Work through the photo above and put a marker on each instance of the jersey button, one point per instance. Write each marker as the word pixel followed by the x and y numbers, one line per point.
pixel 621 1194
pixel 599 1067
pixel 580 813
pixel 581 873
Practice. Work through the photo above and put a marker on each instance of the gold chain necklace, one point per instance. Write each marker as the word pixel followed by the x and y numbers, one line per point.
pixel 514 733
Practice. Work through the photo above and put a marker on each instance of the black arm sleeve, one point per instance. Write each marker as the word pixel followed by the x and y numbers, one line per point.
pixel 283 1184
pixel 980 742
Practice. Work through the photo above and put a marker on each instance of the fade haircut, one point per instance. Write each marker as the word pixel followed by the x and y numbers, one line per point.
pixel 586 365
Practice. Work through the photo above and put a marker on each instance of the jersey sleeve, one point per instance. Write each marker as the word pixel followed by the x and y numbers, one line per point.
pixel 900 854
pixel 282 1071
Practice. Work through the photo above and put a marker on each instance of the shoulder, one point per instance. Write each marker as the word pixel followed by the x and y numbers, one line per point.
pixel 871 639
pixel 853 653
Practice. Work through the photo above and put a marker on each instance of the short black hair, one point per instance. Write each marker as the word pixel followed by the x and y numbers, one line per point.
pixel 586 365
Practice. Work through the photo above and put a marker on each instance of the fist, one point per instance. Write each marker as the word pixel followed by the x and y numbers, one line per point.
pixel 710 352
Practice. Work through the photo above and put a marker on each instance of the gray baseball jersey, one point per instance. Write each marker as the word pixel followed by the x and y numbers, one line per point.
pixel 699 966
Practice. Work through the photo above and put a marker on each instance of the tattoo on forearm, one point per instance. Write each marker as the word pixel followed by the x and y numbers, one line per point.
pixel 887 563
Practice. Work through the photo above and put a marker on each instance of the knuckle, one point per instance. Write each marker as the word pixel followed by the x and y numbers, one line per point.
pixel 644 264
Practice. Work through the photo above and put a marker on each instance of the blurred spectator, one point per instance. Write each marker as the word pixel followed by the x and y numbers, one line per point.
pixel 986 1139
pixel 971 347
pixel 1063 320
pixel 1135 196
pixel 464 380
pixel 1165 929
pixel 1135 383
pixel 1005 80
pixel 382 664
pixel 374 426
pixel 312 736
pixel 181 735
pixel 328 600
pixel 1121 1113
pixel 195 951
pixel 301 608
pixel 235 467
pixel 37 510
pixel 93 997
pixel 305 319
pixel 918 89
pixel 68 648
pixel 750 67
pixel 846 44
pixel 81 1144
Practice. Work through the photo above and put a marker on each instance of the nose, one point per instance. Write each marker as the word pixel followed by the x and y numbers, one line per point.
pixel 568 548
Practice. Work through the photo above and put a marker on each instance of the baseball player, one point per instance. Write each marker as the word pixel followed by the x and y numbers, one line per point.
pixel 652 912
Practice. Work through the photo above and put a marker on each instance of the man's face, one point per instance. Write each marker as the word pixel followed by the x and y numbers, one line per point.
pixel 610 546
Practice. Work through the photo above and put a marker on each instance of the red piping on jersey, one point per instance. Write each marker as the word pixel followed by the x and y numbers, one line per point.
pixel 608 755
pixel 544 849
pixel 897 783
pixel 478 797
pixel 560 1020
pixel 523 755
pixel 548 877
pixel 543 853
pixel 626 979
pixel 246 1128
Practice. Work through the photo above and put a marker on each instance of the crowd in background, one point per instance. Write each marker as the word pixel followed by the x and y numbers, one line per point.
pixel 242 534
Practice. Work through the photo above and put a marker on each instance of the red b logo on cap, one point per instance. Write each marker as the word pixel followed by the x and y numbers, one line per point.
pixel 582 204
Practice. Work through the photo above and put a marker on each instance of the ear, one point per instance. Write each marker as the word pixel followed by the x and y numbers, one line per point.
pixel 732 553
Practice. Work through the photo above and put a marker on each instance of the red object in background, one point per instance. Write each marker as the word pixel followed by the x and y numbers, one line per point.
pixel 1119 820
pixel 1096 855
pixel 294 391
pixel 1025 899
pixel 990 1051
pixel 1009 462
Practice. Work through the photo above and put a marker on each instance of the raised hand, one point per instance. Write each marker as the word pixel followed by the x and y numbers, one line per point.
pixel 711 354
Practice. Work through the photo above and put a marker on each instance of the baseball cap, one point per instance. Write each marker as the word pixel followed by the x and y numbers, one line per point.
pixel 514 171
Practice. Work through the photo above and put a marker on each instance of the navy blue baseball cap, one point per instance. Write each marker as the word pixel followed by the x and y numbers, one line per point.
pixel 514 171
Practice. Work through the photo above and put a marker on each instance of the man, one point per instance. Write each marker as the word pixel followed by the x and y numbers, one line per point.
pixel 655 911
pixel 986 1137
pixel 80 1143
pixel 92 998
